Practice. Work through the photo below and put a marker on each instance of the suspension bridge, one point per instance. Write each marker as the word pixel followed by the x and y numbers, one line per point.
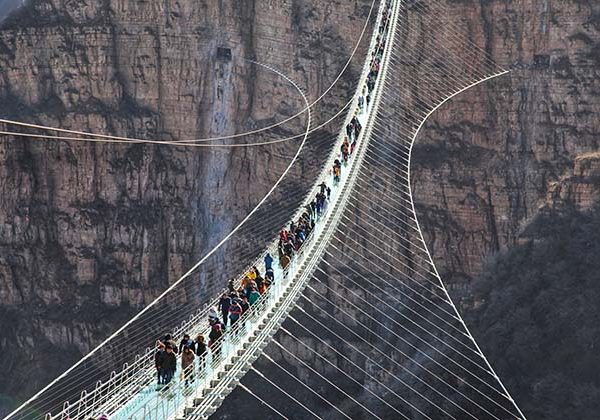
pixel 373 325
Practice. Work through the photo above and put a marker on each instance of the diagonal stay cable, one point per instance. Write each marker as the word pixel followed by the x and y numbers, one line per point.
pixel 423 329
pixel 404 316
pixel 262 401
pixel 385 355
pixel 253 369
pixel 405 355
pixel 349 376
pixel 395 259
pixel 306 386
pixel 418 350
pixel 395 286
pixel 326 380
pixel 393 238
pixel 400 302
pixel 406 384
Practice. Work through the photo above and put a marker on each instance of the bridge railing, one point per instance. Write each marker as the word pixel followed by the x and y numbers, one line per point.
pixel 170 401
pixel 135 377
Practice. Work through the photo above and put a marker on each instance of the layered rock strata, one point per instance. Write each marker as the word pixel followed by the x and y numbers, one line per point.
pixel 92 232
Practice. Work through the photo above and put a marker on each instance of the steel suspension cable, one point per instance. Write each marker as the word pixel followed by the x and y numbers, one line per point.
pixel 418 350
pixel 355 49
pixel 323 378
pixel 391 391
pixel 285 393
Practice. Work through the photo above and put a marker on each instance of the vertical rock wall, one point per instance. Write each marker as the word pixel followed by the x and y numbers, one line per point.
pixel 89 233
pixel 493 158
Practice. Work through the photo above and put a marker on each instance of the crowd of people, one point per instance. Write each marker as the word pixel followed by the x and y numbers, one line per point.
pixel 354 127
pixel 238 299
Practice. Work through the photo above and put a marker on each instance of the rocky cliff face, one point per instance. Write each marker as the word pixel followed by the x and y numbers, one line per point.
pixel 92 232
pixel 487 162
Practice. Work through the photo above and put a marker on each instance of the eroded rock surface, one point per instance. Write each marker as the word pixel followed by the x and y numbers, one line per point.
pixel 488 161
pixel 89 233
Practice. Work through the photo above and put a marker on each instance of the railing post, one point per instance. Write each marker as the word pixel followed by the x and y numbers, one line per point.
pixel 82 403
pixel 64 414
pixel 124 374
pixel 110 387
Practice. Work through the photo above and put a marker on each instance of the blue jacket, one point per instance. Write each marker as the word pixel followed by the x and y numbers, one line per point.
pixel 268 262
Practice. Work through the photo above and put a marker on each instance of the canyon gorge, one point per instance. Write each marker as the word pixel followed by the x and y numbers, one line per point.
pixel 90 233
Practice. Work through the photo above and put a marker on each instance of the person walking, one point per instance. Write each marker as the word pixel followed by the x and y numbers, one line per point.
pixel 323 187
pixel 345 150
pixel 213 317
pixel 337 170
pixel 214 340
pixel 268 261
pixel 169 364
pixel 288 248
pixel 245 305
pixel 269 277
pixel 246 282
pixel 349 130
pixel 259 283
pixel 319 204
pixel 224 304
pixel 185 341
pixel 357 128
pixel 159 358
pixel 168 339
pixel 201 351
pixel 187 364
pixel 253 297
pixel 231 285
pixel 235 311
pixel 285 261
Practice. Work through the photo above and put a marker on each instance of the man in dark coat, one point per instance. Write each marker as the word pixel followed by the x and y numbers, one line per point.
pixel 224 304
pixel 169 364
